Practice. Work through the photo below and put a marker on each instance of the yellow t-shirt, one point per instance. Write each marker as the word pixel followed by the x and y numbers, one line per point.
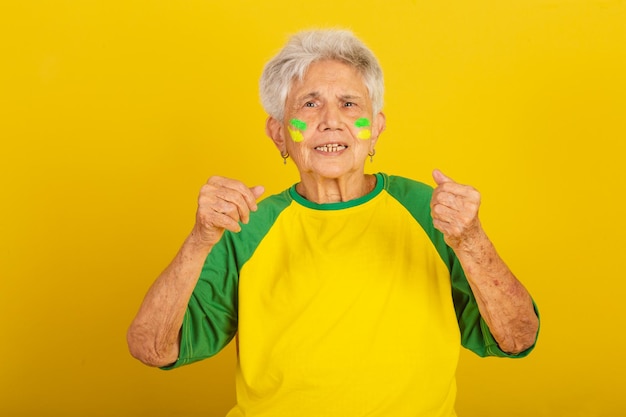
pixel 342 309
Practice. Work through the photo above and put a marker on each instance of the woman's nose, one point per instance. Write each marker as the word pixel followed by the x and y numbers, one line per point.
pixel 331 118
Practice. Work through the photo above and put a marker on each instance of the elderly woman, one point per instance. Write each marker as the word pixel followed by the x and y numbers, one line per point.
pixel 350 294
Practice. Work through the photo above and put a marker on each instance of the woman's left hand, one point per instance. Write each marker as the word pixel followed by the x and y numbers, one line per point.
pixel 454 209
pixel 504 303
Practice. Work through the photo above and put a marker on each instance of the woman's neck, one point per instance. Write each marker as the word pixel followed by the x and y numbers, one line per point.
pixel 335 190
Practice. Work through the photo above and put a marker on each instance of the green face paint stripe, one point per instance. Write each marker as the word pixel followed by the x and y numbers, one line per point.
pixel 362 122
pixel 298 124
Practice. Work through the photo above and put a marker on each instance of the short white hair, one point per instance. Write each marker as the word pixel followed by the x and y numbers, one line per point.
pixel 307 47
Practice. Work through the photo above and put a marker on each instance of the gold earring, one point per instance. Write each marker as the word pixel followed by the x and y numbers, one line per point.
pixel 371 155
pixel 285 156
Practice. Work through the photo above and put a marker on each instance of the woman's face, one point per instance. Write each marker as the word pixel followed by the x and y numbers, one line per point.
pixel 328 128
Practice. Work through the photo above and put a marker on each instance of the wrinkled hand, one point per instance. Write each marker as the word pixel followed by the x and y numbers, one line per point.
pixel 454 209
pixel 222 204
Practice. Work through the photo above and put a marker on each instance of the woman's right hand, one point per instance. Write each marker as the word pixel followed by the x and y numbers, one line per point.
pixel 222 204
pixel 153 336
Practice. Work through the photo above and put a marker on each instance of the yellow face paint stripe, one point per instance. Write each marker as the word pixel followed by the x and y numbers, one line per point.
pixel 296 135
pixel 364 134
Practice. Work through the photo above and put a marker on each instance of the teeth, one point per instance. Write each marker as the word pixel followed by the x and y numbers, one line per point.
pixel 331 147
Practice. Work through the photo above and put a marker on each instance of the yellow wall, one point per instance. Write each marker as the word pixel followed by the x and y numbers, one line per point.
pixel 113 113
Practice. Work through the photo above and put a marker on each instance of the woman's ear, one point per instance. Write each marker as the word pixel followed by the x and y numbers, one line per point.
pixel 274 129
pixel 379 125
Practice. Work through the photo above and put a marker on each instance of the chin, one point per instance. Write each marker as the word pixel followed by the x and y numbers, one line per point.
pixel 335 171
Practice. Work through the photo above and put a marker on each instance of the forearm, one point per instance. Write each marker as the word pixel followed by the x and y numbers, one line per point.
pixel 153 336
pixel 504 303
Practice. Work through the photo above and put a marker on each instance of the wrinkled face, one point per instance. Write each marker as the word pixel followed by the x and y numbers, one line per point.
pixel 329 128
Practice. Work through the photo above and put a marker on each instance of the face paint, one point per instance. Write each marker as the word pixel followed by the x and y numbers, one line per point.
pixel 296 134
pixel 364 134
pixel 298 124
pixel 362 123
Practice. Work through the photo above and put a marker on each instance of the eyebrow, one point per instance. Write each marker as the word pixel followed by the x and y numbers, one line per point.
pixel 316 94
pixel 349 97
pixel 312 94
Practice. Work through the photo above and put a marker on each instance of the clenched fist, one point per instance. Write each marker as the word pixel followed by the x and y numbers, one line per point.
pixel 454 209
pixel 222 204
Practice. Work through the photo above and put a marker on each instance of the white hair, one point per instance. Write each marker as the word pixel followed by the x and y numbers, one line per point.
pixel 307 47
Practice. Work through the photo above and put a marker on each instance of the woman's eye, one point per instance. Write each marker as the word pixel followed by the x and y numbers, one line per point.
pixel 349 104
pixel 309 104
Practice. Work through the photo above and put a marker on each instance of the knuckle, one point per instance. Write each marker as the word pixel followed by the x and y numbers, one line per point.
pixel 230 211
pixel 215 179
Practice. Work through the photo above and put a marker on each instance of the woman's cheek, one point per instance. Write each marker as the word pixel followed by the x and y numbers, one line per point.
pixel 363 124
pixel 296 129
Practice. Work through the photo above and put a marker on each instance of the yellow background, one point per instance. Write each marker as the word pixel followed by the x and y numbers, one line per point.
pixel 114 113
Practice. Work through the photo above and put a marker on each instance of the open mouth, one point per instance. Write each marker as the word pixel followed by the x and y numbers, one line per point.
pixel 330 147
